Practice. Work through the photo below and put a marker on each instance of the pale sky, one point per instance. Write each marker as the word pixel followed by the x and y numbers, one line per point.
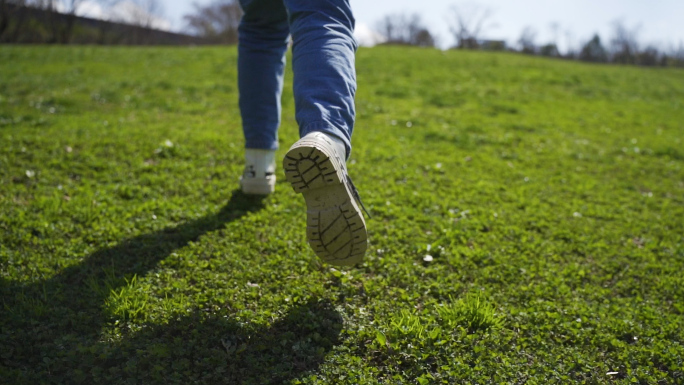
pixel 661 21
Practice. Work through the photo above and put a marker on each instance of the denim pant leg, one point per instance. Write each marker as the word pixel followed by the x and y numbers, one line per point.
pixel 263 39
pixel 323 54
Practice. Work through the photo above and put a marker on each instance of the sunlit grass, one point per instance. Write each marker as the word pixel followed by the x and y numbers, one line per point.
pixel 527 225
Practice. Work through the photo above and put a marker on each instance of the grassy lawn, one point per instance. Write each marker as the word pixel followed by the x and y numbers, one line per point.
pixel 528 221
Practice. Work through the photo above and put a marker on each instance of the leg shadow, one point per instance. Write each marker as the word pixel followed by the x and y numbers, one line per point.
pixel 216 350
pixel 44 324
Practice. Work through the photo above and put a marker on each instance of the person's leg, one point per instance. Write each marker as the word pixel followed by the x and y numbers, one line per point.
pixel 263 38
pixel 324 87
pixel 323 54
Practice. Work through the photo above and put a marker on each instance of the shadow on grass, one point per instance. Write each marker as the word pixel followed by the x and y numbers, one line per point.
pixel 215 350
pixel 50 329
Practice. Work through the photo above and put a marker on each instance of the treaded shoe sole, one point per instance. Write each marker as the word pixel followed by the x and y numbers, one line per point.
pixel 335 227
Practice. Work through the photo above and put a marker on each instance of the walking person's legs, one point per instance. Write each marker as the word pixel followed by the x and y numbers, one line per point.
pixel 324 87
pixel 263 38
pixel 323 53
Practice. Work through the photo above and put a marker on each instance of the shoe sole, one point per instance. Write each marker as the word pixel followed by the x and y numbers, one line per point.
pixel 335 227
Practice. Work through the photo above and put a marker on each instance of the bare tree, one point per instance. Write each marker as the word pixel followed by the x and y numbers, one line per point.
pixel 387 28
pixel 63 30
pixel 104 29
pixel 554 27
pixel 140 13
pixel 550 49
pixel 624 45
pixel 145 13
pixel 218 22
pixel 526 41
pixel 468 22
pixel 405 29
pixel 570 48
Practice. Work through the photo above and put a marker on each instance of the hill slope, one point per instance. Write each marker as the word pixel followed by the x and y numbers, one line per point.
pixel 548 195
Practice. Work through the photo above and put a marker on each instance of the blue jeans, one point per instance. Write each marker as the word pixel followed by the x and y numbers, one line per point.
pixel 323 64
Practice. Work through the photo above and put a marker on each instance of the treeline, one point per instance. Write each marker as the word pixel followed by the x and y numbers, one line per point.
pixel 468 23
pixel 55 21
pixel 52 22
pixel 623 47
pixel 122 22
pixel 218 22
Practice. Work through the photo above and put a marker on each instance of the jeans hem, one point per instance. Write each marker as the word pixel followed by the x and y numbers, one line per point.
pixel 262 145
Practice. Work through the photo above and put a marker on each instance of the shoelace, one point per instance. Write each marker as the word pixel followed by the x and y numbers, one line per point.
pixel 357 196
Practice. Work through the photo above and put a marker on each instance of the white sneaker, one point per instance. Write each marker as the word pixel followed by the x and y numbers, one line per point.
pixel 335 228
pixel 259 175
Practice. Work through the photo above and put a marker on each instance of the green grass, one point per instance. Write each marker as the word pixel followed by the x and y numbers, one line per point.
pixel 549 194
